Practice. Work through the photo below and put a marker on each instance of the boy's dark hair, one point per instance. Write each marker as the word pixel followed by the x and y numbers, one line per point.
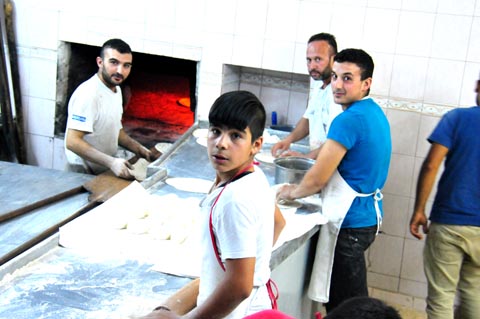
pixel 359 57
pixel 239 110
pixel 116 44
pixel 330 39
pixel 365 308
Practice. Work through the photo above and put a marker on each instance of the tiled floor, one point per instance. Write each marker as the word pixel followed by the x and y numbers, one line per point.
pixel 408 313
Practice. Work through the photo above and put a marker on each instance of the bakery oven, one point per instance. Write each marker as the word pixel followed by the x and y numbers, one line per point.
pixel 159 95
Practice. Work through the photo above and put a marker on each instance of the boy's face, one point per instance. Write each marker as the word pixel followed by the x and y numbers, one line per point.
pixel 231 150
pixel 347 85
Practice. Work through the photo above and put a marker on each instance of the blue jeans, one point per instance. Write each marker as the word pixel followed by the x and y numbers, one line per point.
pixel 452 262
pixel 349 273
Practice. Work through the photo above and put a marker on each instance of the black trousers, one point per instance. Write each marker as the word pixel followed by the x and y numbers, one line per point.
pixel 349 273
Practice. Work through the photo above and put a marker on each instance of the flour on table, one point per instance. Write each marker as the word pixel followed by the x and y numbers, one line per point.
pixel 270 139
pixel 265 157
pixel 194 185
pixel 202 141
pixel 200 132
pixel 163 147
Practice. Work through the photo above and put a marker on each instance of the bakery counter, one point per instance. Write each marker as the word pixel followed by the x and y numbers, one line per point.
pixel 70 283
pixel 88 270
pixel 35 202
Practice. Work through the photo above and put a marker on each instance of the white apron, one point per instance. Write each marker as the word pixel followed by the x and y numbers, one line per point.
pixel 337 197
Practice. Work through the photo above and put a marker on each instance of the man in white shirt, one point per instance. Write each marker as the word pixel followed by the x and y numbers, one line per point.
pixel 94 127
pixel 321 108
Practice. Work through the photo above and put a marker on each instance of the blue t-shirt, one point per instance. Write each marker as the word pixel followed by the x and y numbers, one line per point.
pixel 363 129
pixel 457 201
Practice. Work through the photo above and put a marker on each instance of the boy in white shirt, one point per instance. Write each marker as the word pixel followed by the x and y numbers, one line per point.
pixel 240 220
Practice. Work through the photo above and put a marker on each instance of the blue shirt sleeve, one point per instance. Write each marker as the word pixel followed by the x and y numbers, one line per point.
pixel 443 132
pixel 345 130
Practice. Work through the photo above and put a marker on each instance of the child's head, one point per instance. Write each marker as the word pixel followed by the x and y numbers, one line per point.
pixel 365 308
pixel 237 120
pixel 239 110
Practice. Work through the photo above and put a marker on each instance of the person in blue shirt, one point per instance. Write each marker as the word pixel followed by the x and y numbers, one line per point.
pixel 452 249
pixel 350 169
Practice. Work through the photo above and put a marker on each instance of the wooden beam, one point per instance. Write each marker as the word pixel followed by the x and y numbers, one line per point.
pixel 17 96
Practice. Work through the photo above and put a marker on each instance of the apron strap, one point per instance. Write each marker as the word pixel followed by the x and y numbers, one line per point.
pixel 212 234
pixel 377 196
pixel 270 285
pixel 273 294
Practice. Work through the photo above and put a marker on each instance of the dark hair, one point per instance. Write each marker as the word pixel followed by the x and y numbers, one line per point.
pixel 365 308
pixel 330 39
pixel 239 110
pixel 116 44
pixel 359 57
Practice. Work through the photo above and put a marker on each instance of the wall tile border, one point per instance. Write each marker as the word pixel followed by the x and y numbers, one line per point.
pixel 300 82
pixel 413 106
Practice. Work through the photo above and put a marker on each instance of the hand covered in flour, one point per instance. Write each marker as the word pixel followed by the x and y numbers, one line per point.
pixel 120 167
pixel 280 147
pixel 285 192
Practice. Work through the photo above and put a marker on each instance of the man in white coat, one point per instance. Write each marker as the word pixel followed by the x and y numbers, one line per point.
pixel 321 109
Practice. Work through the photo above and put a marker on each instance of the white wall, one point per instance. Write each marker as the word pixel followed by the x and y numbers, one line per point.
pixel 426 52
pixel 427 58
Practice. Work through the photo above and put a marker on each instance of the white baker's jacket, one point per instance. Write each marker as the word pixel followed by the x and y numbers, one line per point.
pixel 321 111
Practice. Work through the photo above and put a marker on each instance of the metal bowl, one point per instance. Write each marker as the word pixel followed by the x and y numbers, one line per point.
pixel 284 128
pixel 291 169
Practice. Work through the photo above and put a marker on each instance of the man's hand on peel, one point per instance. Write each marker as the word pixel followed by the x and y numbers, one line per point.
pixel 120 167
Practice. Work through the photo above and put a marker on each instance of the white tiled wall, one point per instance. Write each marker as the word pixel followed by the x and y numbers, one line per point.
pixel 283 93
pixel 427 57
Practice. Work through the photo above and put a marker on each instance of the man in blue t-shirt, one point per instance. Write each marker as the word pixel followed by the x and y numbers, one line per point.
pixel 452 248
pixel 350 170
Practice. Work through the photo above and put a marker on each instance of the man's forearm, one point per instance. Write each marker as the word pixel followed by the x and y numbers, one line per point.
pixel 129 143
pixel 93 155
pixel 428 174
pixel 300 131
pixel 79 146
pixel 425 183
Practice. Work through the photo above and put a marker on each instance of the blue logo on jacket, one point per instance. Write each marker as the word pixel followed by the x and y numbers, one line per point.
pixel 79 118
